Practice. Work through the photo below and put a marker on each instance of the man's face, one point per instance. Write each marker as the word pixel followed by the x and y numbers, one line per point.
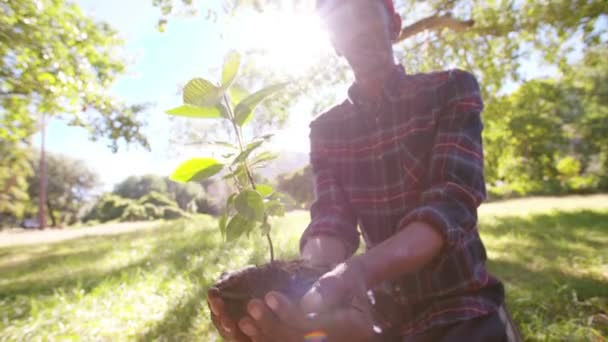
pixel 361 31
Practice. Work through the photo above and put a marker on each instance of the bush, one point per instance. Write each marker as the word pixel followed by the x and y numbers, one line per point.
pixel 170 213
pixel 152 211
pixel 108 207
pixel 135 212
pixel 205 206
pixel 157 199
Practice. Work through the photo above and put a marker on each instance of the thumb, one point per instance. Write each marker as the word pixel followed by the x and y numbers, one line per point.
pixel 312 301
pixel 323 296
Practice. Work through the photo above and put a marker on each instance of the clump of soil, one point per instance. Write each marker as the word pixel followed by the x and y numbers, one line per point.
pixel 291 278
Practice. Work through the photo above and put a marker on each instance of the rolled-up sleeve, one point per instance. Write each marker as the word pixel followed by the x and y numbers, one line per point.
pixel 457 186
pixel 331 213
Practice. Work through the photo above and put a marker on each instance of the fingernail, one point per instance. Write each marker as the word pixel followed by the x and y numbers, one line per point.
pixel 272 302
pixel 248 329
pixel 213 308
pixel 255 312
pixel 227 328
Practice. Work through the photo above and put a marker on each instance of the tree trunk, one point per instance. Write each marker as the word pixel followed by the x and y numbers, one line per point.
pixel 51 214
pixel 43 179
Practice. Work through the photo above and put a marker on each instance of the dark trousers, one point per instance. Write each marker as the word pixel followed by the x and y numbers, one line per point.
pixel 495 327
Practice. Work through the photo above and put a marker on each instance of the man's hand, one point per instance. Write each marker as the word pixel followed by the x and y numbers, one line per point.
pixel 339 287
pixel 226 327
pixel 276 319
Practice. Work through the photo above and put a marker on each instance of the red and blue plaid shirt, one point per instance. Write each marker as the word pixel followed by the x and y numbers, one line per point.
pixel 415 154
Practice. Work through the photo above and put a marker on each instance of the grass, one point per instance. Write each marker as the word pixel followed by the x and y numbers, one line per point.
pixel 149 284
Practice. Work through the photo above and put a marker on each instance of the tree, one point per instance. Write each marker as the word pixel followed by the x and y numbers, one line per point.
pixel 299 185
pixel 70 183
pixel 57 61
pixel 551 135
pixel 135 187
pixel 490 38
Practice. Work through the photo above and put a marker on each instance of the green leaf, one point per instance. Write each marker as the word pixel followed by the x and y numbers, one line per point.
pixel 225 144
pixel 231 68
pixel 264 189
pixel 222 222
pixel 244 109
pixel 263 157
pixel 265 227
pixel 230 200
pixel 237 226
pixel 237 94
pixel 247 151
pixel 202 93
pixel 196 112
pixel 274 208
pixel 236 173
pixel 250 204
pixel 196 169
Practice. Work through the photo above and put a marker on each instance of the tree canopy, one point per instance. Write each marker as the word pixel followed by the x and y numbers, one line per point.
pixel 56 61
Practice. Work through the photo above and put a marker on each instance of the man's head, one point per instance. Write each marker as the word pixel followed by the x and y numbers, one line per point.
pixel 363 32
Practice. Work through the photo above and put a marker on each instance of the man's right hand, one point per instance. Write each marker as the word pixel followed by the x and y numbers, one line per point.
pixel 226 327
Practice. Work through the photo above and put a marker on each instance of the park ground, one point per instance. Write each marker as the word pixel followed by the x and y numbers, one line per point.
pixel 148 281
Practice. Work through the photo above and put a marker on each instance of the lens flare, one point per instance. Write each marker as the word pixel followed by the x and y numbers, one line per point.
pixel 316 336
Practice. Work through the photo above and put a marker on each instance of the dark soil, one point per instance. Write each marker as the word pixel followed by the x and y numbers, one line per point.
pixel 291 278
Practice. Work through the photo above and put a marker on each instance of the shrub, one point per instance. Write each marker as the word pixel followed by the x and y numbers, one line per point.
pixel 171 213
pixel 152 211
pixel 108 207
pixel 134 212
pixel 157 199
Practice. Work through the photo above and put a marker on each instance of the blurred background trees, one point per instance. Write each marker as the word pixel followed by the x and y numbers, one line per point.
pixel 542 66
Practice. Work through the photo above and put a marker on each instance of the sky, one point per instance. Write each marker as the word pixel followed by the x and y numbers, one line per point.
pixel 159 63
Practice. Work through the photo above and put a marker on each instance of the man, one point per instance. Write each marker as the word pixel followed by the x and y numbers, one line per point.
pixel 402 157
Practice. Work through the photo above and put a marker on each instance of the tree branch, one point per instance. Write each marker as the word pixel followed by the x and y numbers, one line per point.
pixel 435 22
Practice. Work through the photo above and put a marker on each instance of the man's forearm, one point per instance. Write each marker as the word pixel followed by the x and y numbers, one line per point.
pixel 405 252
pixel 324 250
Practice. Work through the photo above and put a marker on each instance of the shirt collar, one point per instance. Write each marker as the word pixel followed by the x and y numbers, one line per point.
pixel 390 90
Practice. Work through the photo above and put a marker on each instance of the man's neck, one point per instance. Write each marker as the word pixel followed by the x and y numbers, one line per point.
pixel 372 87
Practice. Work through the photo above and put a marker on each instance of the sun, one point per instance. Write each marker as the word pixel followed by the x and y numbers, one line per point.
pixel 290 42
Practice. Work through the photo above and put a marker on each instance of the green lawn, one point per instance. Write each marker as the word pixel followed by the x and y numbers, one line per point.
pixel 552 254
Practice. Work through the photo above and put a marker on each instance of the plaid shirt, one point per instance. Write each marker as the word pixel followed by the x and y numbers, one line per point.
pixel 413 155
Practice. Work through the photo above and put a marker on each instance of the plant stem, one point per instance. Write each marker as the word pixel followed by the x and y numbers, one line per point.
pixel 246 167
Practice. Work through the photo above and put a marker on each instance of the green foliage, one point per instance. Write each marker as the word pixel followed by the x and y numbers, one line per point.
pixel 191 111
pixel 152 206
pixel 170 213
pixel 157 199
pixel 551 259
pixel 244 109
pixel 135 212
pixel 136 187
pixel 298 185
pixel 69 185
pixel 245 209
pixel 152 211
pixel 550 136
pixel 196 169
pixel 108 208
pixel 56 60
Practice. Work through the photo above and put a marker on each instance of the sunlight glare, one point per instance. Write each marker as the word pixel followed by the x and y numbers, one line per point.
pixel 290 42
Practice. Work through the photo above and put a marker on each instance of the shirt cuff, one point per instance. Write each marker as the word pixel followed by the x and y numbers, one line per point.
pixel 434 216
pixel 337 229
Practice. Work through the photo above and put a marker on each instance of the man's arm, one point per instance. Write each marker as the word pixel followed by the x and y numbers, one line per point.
pixel 331 237
pixel 448 209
